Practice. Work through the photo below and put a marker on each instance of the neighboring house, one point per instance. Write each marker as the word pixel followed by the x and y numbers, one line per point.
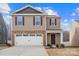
pixel 33 27
pixel 3 31
pixel 74 33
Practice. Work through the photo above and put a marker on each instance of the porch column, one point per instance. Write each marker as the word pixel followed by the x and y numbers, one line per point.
pixel 61 37
pixel 46 38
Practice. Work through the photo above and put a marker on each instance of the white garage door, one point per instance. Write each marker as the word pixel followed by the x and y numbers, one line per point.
pixel 29 40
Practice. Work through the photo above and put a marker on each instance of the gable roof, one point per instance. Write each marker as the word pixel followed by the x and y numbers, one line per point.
pixel 26 7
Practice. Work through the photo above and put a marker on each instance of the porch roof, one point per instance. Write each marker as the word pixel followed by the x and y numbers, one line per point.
pixel 54 31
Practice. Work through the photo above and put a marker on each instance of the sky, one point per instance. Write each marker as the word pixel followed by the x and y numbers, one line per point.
pixel 67 11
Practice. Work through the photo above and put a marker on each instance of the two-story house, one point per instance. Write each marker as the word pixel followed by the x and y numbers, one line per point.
pixel 33 27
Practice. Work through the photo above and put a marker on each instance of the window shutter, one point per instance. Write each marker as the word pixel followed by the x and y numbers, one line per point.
pixel 16 20
pixel 41 20
pixel 55 21
pixel 33 20
pixel 23 20
pixel 50 21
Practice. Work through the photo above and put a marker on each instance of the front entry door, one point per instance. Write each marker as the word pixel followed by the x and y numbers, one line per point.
pixel 52 38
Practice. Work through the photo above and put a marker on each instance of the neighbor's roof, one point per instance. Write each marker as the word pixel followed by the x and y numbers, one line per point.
pixel 77 20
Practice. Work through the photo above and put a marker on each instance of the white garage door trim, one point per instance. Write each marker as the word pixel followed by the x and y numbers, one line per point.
pixel 29 39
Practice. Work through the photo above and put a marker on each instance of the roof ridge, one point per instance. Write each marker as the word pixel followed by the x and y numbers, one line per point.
pixel 26 7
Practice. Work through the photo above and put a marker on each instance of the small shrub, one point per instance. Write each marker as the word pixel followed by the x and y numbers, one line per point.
pixel 57 45
pixel 62 46
pixel 8 44
pixel 48 45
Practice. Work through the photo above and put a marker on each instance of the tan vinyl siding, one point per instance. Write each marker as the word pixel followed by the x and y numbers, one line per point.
pixel 28 24
pixel 57 36
pixel 50 27
pixel 48 38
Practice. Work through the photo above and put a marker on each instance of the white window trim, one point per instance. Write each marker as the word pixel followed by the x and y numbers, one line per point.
pixel 17 22
pixel 52 20
pixel 40 22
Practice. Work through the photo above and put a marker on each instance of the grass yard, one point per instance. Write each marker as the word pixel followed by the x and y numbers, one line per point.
pixel 63 51
pixel 3 46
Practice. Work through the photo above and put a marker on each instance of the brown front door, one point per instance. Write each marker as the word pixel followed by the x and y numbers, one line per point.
pixel 52 38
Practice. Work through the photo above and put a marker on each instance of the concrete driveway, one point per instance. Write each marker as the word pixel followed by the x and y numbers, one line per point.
pixel 24 51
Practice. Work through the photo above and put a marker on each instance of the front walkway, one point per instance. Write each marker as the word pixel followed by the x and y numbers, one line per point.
pixel 24 51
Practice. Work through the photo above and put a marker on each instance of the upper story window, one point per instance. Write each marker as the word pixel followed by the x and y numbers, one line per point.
pixel 53 21
pixel 37 20
pixel 19 20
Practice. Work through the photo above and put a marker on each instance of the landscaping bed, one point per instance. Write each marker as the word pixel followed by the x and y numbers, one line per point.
pixel 63 51
pixel 3 46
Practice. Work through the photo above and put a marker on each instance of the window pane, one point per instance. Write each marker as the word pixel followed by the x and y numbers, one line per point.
pixel 52 21
pixel 66 36
pixel 37 20
pixel 19 20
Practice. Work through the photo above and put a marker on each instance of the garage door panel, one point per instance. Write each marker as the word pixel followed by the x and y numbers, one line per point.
pixel 18 39
pixel 40 40
pixel 29 40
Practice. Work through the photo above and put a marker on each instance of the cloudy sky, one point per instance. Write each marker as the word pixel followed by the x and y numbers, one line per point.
pixel 67 11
